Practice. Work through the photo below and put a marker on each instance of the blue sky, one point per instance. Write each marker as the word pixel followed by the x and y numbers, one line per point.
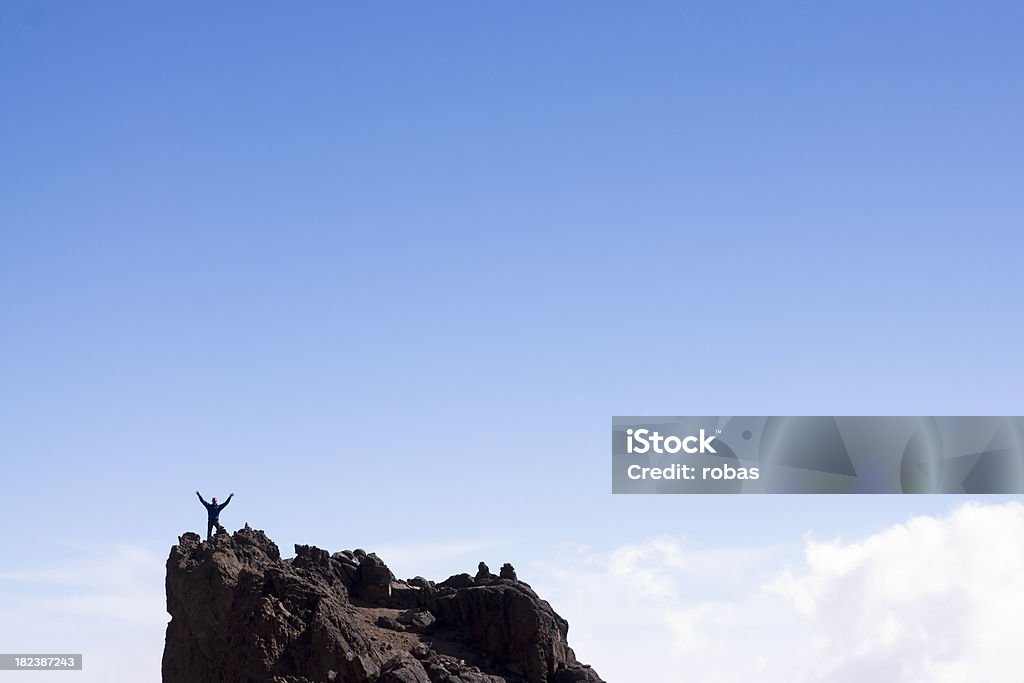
pixel 385 271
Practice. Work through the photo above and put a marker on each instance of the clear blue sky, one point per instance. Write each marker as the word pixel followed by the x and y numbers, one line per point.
pixel 385 270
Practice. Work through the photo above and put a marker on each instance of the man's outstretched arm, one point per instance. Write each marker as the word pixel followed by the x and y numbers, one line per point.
pixel 201 499
pixel 228 500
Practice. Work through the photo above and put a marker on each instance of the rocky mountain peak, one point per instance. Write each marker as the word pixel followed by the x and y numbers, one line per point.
pixel 240 613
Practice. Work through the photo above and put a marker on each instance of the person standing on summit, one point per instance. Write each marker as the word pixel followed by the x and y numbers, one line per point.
pixel 213 514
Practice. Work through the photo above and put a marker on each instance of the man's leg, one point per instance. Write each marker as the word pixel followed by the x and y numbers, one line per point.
pixel 209 529
pixel 220 529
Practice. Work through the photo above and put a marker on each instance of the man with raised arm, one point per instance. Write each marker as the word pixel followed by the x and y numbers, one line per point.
pixel 213 514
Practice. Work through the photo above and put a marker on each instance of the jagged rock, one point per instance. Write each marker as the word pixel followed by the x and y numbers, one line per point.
pixel 511 624
pixel 508 572
pixel 404 669
pixel 405 596
pixel 242 614
pixel 389 623
pixel 346 566
pixel 422 583
pixel 483 573
pixel 374 580
pixel 576 673
pixel 458 581
pixel 418 619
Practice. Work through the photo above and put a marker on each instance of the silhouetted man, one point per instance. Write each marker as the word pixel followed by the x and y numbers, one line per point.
pixel 213 514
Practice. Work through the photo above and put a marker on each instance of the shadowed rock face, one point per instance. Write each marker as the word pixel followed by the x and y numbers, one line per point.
pixel 241 614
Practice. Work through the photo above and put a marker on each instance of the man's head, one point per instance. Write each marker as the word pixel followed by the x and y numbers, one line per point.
pixel 213 500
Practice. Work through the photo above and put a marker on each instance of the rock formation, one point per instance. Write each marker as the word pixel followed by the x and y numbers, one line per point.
pixel 242 614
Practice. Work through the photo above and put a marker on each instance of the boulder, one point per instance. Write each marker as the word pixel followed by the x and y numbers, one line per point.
pixel 417 619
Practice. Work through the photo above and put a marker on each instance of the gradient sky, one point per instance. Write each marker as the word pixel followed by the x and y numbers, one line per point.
pixel 386 270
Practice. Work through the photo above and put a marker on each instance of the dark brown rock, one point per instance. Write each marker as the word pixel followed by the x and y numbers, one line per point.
pixel 483 573
pixel 458 581
pixel 242 614
pixel 417 619
pixel 509 622
pixel 404 670
pixel 389 623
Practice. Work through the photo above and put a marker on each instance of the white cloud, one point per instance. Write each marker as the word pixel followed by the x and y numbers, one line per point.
pixel 932 600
